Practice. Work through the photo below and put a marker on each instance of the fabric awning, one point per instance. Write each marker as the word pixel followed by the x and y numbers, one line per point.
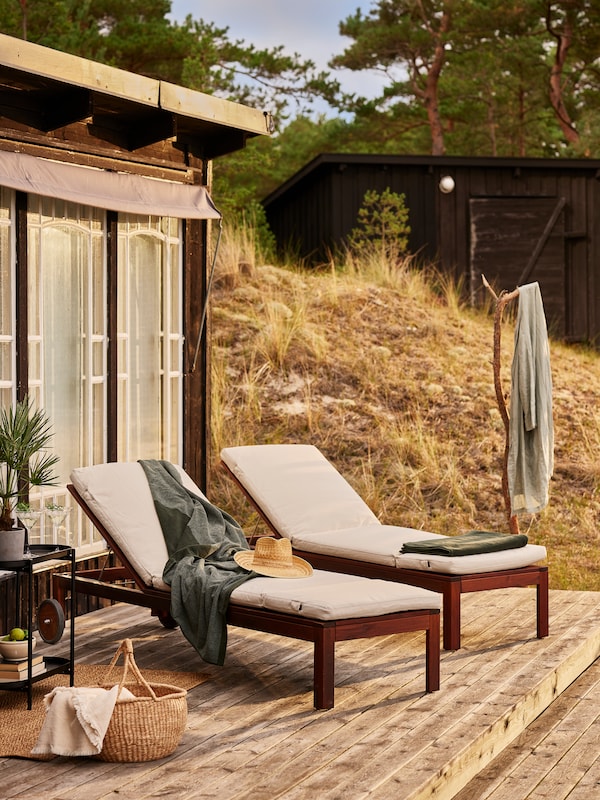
pixel 116 191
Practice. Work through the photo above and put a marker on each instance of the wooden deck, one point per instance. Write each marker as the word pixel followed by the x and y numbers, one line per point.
pixel 557 756
pixel 253 732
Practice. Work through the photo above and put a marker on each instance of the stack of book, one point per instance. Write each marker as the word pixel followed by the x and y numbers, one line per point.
pixel 11 671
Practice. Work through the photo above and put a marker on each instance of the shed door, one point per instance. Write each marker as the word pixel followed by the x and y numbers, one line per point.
pixel 518 240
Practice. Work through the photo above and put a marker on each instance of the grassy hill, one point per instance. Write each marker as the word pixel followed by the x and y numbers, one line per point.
pixel 390 375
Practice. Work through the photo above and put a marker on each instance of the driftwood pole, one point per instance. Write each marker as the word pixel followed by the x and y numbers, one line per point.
pixel 501 302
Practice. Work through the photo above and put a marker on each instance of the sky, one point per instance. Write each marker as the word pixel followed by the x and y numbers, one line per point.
pixel 307 27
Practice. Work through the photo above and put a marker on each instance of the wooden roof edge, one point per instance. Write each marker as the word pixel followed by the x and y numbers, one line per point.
pixel 44 62
pixel 439 162
pixel 450 160
pixel 198 105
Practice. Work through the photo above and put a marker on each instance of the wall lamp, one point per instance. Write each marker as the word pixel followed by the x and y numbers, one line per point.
pixel 447 184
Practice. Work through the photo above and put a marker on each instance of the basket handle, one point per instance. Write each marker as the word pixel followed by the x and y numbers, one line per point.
pixel 126 648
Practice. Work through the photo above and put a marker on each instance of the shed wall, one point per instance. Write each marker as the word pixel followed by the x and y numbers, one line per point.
pixel 316 211
pixel 581 192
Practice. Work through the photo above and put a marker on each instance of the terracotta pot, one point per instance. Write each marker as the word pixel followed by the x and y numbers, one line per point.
pixel 12 544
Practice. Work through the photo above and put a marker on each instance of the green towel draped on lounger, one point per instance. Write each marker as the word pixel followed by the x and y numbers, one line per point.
pixel 467 544
pixel 201 541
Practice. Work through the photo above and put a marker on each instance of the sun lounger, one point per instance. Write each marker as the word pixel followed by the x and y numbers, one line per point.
pixel 301 496
pixel 325 608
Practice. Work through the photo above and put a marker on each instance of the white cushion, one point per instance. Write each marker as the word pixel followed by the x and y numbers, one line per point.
pixel 119 495
pixel 382 544
pixel 378 544
pixel 484 562
pixel 331 595
pixel 298 488
pixel 310 503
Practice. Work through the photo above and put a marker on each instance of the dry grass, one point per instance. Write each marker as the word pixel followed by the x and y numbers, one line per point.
pixel 390 375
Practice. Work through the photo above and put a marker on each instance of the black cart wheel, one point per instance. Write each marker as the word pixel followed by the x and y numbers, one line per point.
pixel 51 620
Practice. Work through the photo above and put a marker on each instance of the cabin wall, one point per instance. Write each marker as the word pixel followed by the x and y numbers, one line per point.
pixel 81 143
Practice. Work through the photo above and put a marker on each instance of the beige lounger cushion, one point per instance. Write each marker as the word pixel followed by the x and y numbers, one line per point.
pixel 309 502
pixel 333 595
pixel 380 544
pixel 119 496
pixel 297 487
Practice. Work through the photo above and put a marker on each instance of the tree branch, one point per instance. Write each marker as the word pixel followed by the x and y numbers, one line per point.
pixel 502 301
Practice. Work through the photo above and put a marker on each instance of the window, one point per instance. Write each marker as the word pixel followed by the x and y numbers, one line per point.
pixel 67 327
pixel 68 340
pixel 150 339
pixel 7 299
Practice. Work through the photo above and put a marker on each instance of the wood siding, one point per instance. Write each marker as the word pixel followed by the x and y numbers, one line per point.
pixel 517 240
pixel 317 208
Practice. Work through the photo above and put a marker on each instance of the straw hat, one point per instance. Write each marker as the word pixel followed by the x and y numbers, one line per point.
pixel 273 557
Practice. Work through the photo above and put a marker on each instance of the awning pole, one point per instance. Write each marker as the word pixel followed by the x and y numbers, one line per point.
pixel 207 297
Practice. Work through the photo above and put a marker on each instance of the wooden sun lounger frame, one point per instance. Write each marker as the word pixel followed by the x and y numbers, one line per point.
pixel 108 584
pixel 451 587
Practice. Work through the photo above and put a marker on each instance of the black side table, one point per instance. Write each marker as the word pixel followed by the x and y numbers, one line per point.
pixel 24 570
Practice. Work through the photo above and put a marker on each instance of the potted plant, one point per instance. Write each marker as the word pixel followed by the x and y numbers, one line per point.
pixel 25 434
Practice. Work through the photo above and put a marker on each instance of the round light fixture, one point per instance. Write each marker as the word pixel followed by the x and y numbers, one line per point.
pixel 447 184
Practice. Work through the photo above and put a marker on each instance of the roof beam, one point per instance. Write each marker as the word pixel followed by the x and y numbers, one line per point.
pixel 133 129
pixel 45 109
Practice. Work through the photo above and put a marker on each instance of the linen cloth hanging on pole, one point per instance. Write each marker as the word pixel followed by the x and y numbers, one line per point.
pixel 531 433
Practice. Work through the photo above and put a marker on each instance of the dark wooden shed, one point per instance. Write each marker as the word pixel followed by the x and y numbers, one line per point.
pixel 515 220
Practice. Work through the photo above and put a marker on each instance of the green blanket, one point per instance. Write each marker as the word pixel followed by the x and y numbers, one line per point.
pixel 201 540
pixel 467 544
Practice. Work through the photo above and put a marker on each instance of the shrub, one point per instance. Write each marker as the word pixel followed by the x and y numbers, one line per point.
pixel 382 224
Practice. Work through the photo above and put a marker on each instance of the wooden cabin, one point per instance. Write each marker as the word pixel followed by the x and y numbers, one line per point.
pixel 515 220
pixel 107 238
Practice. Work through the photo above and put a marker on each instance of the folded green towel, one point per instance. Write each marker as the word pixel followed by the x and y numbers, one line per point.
pixel 467 544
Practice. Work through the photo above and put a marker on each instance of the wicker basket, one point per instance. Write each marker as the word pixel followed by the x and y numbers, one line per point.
pixel 148 726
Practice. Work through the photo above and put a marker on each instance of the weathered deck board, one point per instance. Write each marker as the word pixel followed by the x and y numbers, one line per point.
pixel 253 733
pixel 557 756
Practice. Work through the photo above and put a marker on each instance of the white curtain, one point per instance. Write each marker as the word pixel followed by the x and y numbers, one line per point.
pixel 65 256
pixel 150 339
